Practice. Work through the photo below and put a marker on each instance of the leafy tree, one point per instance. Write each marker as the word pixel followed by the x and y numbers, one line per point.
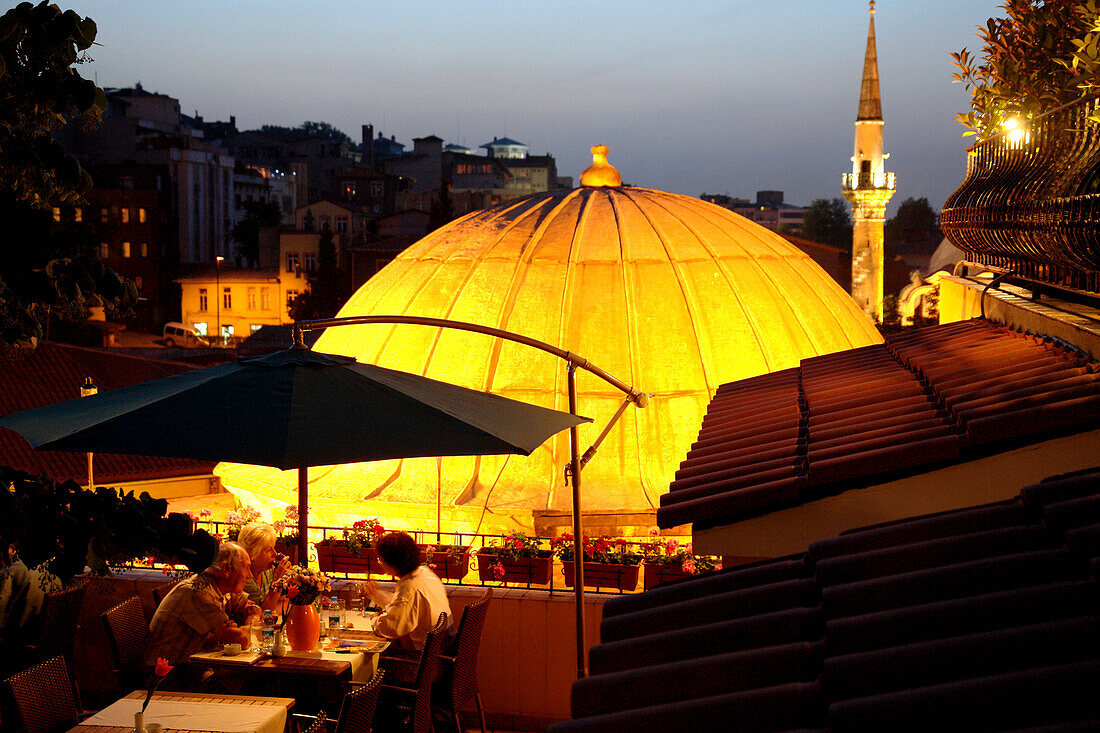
pixel 329 287
pixel 246 232
pixel 827 221
pixel 914 223
pixel 307 130
pixel 1041 56
pixel 42 274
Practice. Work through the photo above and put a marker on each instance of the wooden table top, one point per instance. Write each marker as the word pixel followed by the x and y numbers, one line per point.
pixel 286 702
pixel 295 665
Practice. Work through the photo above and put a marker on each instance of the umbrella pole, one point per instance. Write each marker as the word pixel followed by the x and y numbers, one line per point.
pixel 303 513
pixel 578 542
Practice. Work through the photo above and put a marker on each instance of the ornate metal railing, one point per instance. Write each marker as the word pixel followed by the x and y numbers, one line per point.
pixel 1030 202
pixel 864 181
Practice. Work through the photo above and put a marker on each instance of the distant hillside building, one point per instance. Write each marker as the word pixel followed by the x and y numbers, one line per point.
pixel 768 210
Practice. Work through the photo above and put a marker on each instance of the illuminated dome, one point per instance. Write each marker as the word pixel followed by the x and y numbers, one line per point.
pixel 668 293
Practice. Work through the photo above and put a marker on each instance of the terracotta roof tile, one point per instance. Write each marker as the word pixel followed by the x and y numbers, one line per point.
pixel 982 618
pixel 54 373
pixel 923 397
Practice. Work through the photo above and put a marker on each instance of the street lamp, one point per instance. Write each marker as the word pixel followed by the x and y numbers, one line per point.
pixel 87 390
pixel 218 296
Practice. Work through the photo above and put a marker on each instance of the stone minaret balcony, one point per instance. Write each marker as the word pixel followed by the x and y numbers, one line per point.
pixel 868 181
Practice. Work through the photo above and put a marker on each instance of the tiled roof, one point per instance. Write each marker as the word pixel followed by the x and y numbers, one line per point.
pixel 976 619
pixel 924 397
pixel 53 373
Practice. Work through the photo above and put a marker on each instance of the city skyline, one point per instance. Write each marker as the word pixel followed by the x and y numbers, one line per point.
pixel 727 98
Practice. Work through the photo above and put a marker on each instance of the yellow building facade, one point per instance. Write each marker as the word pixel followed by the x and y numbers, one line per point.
pixel 232 303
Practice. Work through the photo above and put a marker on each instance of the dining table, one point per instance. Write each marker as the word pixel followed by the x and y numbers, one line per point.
pixel 193 711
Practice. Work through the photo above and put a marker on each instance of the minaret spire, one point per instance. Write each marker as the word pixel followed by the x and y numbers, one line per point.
pixel 870 99
pixel 869 187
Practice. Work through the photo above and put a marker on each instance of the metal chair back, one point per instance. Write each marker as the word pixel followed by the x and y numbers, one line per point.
pixel 421 714
pixel 44 698
pixel 160 591
pixel 126 630
pixel 462 687
pixel 357 712
pixel 60 618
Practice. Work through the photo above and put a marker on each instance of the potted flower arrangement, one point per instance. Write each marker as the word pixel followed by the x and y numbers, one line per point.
pixel 666 561
pixel 447 561
pixel 352 553
pixel 608 563
pixel 301 586
pixel 515 559
pixel 286 533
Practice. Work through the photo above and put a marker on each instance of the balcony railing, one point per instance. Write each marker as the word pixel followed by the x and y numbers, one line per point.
pixel 1030 202
pixel 868 180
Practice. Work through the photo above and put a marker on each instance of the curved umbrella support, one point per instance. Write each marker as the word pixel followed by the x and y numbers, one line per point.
pixel 576 463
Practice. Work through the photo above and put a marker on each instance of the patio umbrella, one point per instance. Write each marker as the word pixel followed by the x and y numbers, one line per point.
pixel 292 409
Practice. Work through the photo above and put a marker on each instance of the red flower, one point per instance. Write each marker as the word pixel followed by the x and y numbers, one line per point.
pixel 498 571
pixel 688 566
pixel 163 667
pixel 291 591
pixel 379 529
pixel 517 545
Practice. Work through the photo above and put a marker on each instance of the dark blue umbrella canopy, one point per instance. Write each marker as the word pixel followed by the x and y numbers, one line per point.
pixel 292 409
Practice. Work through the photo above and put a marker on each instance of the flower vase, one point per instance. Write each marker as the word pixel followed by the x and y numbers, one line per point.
pixel 139 721
pixel 303 628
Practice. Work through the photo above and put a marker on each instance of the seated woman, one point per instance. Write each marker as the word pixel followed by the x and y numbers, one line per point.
pixel 258 540
pixel 411 610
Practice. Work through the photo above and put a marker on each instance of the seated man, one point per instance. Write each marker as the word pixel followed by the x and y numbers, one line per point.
pixel 195 615
pixel 410 612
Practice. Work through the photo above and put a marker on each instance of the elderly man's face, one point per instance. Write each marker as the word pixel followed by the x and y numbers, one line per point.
pixel 239 575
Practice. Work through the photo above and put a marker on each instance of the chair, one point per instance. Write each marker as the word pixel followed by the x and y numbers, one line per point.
pixel 44 698
pixel 415 704
pixel 60 617
pixel 356 712
pixel 126 630
pixel 459 683
pixel 160 591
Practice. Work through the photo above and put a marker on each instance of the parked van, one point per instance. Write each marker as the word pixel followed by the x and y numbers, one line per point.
pixel 177 334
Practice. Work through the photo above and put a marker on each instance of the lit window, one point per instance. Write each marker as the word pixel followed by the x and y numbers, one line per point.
pixel 252 299
pixel 291 295
pixel 144 249
pixel 255 327
pixel 125 249
pixel 57 213
pixel 310 262
pixel 125 213
pixel 103 215
pixel 202 299
pixel 227 298
pixel 200 328
pixel 104 250
pixel 141 215
pixel 265 299
pixel 78 214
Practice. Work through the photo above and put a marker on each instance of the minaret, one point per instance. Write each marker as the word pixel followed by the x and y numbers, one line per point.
pixel 868 187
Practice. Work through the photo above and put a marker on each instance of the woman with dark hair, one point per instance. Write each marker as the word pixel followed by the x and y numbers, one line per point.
pixel 411 610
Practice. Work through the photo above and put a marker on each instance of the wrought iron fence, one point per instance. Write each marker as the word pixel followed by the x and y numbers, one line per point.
pixel 1030 201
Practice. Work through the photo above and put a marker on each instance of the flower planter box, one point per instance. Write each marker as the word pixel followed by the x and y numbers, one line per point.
pixel 533 570
pixel 656 574
pixel 604 575
pixel 337 559
pixel 447 566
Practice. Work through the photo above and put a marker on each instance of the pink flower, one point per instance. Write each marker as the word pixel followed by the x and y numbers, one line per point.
pixel 517 545
pixel 379 529
pixel 653 531
pixel 690 547
pixel 671 545
pixel 498 572
pixel 205 513
pixel 291 512
pixel 191 514
pixel 688 566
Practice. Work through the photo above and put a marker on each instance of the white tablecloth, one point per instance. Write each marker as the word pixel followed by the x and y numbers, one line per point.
pixel 199 715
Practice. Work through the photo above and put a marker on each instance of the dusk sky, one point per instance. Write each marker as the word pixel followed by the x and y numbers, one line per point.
pixel 716 97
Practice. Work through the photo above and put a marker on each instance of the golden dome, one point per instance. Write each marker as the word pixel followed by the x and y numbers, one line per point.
pixel 668 293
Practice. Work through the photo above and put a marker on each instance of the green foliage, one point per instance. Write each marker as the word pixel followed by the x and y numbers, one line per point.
pixel 329 286
pixel 308 130
pixel 246 232
pixel 41 92
pixel 914 223
pixel 827 221
pixel 1041 56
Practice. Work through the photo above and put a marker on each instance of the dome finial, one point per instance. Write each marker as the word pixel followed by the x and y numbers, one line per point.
pixel 872 7
pixel 600 173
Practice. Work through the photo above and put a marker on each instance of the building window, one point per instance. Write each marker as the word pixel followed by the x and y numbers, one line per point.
pixel 292 261
pixel 104 250
pixel 57 213
pixel 78 214
pixel 341 223
pixel 252 299
pixel 125 214
pixel 144 249
pixel 202 299
pixel 227 298
pixel 265 299
pixel 125 249
pixel 310 262
pixel 326 222
pixel 141 215
pixel 375 188
pixel 103 215
pixel 200 328
pixel 291 295
pixel 138 282
pixel 255 327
